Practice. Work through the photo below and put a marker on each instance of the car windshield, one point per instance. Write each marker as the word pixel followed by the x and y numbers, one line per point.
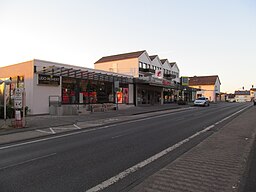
pixel 201 98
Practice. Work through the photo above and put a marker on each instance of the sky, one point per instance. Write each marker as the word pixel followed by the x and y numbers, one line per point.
pixel 204 37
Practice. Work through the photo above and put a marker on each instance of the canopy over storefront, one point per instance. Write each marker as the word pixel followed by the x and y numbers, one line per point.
pixel 83 73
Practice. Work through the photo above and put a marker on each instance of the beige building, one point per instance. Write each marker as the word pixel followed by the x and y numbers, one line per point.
pixel 134 63
pixel 209 86
pixel 71 87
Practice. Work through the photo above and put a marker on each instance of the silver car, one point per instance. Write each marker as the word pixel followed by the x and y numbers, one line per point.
pixel 201 101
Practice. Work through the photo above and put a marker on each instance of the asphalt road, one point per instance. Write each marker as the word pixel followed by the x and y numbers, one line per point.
pixel 78 162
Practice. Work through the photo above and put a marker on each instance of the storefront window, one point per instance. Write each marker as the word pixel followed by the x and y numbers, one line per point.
pixel 81 91
pixel 123 95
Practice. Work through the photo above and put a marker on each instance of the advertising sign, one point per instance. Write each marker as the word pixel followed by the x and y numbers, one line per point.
pixel 185 81
pixel 48 80
pixel 159 73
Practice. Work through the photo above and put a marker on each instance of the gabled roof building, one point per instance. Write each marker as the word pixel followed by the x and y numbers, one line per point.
pixel 151 74
pixel 209 86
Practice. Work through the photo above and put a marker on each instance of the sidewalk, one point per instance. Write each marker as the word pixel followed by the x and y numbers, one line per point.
pixel 38 126
pixel 216 164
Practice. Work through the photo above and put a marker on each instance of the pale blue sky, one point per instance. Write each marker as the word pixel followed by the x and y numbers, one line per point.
pixel 205 37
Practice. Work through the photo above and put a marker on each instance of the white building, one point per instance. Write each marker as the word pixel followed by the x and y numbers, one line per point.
pixel 242 96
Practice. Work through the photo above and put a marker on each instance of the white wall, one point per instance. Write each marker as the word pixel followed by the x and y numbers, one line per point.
pixel 131 94
pixel 145 58
pixel 41 96
pixel 166 65
pixel 156 62
pixel 176 69
pixel 217 86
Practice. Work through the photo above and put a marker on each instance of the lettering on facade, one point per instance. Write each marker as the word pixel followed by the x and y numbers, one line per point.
pixel 48 80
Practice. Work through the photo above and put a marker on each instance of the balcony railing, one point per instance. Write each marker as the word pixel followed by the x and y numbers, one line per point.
pixel 146 70
pixel 169 76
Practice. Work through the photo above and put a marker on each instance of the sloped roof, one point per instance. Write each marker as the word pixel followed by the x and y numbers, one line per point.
pixel 242 92
pixel 163 60
pixel 231 96
pixel 152 57
pixel 172 63
pixel 203 80
pixel 120 57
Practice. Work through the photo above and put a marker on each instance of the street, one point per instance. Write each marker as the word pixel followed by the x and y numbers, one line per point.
pixel 79 162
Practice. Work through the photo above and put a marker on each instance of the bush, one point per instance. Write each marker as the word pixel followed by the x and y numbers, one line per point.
pixel 181 102
pixel 10 112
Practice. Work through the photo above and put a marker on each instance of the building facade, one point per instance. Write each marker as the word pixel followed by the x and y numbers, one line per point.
pixel 155 82
pixel 242 96
pixel 209 86
pixel 67 86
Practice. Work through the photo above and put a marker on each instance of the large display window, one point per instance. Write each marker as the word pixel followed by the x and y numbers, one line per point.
pixel 83 91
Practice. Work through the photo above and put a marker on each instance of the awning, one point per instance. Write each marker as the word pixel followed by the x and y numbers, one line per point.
pixel 83 73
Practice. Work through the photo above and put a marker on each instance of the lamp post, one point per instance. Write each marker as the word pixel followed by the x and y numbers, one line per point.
pixel 6 82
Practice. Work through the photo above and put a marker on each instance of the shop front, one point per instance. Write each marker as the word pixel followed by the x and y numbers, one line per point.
pixel 149 91
pixel 69 88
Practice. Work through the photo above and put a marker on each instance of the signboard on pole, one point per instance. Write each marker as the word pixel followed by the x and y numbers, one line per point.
pixel 18 98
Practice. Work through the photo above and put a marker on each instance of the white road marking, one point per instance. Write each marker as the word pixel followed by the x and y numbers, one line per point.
pixel 64 128
pixel 76 126
pixel 117 136
pixel 42 131
pixel 28 161
pixel 53 132
pixel 142 164
pixel 82 131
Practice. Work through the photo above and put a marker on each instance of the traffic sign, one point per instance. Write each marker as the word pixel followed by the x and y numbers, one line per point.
pixel 18 104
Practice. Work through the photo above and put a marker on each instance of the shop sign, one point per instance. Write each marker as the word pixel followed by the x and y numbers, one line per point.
pixel 167 83
pixel 185 81
pixel 156 80
pixel 159 73
pixel 48 79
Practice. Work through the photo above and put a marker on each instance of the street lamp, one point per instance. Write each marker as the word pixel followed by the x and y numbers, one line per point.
pixel 6 82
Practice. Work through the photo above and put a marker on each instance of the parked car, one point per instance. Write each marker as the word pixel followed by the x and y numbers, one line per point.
pixel 201 101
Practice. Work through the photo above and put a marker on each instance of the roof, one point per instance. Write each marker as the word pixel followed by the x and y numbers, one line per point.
pixel 172 63
pixel 152 57
pixel 203 80
pixel 120 57
pixel 163 60
pixel 65 70
pixel 231 96
pixel 242 92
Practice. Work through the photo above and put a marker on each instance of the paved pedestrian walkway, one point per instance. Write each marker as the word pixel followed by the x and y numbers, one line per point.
pixel 217 164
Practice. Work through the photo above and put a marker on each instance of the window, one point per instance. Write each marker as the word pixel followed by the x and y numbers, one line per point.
pixel 140 64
